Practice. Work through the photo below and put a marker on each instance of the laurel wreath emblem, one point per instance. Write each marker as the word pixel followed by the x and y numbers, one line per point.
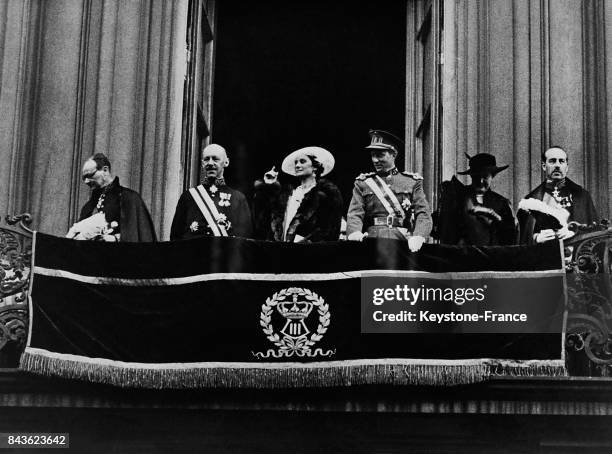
pixel 287 346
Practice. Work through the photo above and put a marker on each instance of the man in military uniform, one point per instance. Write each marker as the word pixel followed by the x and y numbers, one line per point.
pixel 558 197
pixel 388 203
pixel 212 208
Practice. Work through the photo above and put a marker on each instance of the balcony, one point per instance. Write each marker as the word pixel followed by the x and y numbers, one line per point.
pixel 543 414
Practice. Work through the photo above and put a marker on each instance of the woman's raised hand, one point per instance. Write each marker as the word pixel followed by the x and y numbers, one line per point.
pixel 271 176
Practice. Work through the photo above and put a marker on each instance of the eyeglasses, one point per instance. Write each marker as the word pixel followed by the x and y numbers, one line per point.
pixel 90 175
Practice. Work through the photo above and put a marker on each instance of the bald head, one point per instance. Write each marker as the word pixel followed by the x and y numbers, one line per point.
pixel 214 161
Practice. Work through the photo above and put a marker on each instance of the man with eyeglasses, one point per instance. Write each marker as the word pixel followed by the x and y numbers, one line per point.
pixel 113 212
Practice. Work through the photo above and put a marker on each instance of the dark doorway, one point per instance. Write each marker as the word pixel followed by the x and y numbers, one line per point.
pixel 307 72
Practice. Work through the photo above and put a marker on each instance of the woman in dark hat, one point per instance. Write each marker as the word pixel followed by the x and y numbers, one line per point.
pixel 474 214
pixel 308 212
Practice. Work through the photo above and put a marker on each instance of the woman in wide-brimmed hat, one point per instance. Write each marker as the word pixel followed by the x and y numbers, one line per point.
pixel 307 212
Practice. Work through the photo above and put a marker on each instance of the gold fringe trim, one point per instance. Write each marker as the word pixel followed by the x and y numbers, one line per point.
pixel 432 374
pixel 528 368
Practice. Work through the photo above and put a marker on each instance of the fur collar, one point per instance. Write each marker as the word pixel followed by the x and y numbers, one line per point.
pixel 307 209
pixel 561 214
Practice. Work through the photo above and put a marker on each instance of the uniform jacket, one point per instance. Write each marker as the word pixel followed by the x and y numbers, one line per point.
pixel 125 207
pixel 189 222
pixel 365 205
pixel 581 209
pixel 317 219
pixel 460 224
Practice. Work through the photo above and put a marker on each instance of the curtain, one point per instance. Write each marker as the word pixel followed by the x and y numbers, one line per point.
pixel 80 77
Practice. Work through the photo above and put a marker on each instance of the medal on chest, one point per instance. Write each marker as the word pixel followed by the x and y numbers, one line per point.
pixel 562 201
pixel 224 199
pixel 406 204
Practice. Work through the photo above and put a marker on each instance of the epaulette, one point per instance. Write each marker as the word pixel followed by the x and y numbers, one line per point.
pixel 363 176
pixel 415 175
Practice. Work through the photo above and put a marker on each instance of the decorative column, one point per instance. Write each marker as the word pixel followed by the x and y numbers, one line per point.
pixel 19 47
pixel 520 76
pixel 597 105
pixel 94 76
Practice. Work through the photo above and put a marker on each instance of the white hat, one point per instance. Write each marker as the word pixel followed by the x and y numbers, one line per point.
pixel 321 155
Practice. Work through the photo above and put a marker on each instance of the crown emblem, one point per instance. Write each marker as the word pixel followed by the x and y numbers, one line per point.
pixel 294 305
pixel 295 312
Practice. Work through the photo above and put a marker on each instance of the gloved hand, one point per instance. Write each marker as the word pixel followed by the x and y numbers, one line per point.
pixel 271 176
pixel 544 236
pixel 564 233
pixel 72 232
pixel 357 236
pixel 415 243
pixel 487 212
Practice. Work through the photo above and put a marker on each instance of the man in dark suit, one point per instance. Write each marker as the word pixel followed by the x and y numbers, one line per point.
pixel 476 215
pixel 557 197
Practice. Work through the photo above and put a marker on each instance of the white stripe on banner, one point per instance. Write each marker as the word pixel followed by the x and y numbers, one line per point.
pixel 32 267
pixel 137 282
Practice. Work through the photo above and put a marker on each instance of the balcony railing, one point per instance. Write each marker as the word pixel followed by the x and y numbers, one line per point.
pixel 589 303
pixel 15 273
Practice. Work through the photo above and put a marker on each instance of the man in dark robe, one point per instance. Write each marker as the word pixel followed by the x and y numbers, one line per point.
pixel 212 208
pixel 126 215
pixel 557 194
pixel 475 215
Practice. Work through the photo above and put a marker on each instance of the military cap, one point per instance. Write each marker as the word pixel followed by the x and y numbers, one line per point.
pixel 383 140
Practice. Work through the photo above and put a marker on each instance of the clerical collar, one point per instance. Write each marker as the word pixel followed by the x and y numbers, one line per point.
pixel 99 194
pixel 106 189
pixel 214 182
pixel 551 185
pixel 393 171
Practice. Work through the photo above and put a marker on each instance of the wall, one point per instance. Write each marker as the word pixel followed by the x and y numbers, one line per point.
pixel 92 76
pixel 522 75
pixel 77 77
